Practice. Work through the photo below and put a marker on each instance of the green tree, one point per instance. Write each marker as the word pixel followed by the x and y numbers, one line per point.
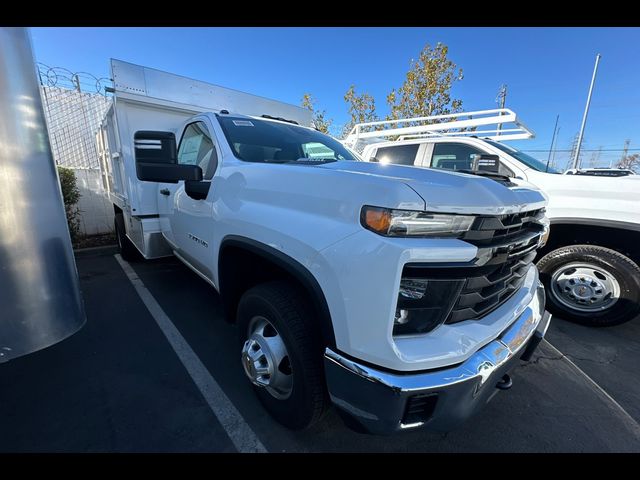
pixel 320 120
pixel 70 197
pixel 362 108
pixel 426 90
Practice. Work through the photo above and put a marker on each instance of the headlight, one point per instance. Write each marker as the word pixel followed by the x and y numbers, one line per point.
pixel 410 223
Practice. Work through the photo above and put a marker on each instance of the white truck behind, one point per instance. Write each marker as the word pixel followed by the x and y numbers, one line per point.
pixel 590 265
pixel 402 296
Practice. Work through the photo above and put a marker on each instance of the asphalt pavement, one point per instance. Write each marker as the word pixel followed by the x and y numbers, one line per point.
pixel 120 385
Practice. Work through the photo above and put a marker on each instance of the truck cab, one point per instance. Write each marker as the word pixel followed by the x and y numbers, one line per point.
pixel 403 297
pixel 590 264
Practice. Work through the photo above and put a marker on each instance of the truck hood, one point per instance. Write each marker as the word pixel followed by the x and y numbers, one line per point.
pixel 451 192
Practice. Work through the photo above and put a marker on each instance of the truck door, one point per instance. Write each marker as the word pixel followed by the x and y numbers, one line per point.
pixel 187 214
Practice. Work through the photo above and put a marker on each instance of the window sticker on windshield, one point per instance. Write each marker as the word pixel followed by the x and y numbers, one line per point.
pixel 242 123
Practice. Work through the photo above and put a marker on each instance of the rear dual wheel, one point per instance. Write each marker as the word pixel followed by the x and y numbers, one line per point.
pixel 128 251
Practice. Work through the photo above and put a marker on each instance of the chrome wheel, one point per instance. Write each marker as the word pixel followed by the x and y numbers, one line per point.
pixel 265 359
pixel 584 287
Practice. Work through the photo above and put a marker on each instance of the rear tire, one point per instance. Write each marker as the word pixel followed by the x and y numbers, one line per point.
pixel 128 251
pixel 591 285
pixel 294 391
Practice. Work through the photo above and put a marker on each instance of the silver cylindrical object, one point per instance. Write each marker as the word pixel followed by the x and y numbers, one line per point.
pixel 40 301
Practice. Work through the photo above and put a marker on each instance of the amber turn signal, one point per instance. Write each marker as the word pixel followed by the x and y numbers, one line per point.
pixel 377 219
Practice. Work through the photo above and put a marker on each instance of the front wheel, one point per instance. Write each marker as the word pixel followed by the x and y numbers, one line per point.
pixel 591 285
pixel 281 353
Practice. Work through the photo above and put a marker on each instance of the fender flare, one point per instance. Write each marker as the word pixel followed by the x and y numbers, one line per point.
pixel 291 266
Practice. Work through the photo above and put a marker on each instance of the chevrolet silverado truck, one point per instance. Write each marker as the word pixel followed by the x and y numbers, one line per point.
pixel 589 267
pixel 402 296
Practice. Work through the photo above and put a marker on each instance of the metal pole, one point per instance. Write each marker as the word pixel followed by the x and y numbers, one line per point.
pixel 586 112
pixel 553 138
pixel 39 288
pixel 502 95
pixel 553 159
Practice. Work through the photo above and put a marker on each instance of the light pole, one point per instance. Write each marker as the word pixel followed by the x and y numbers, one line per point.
pixel 553 139
pixel 586 112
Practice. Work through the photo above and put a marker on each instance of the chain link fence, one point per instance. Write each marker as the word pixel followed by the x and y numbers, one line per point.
pixel 74 104
pixel 562 159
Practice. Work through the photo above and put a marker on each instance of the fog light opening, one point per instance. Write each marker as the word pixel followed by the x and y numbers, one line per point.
pixel 402 316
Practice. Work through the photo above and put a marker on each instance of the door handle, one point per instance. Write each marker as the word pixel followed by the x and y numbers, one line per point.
pixel 165 191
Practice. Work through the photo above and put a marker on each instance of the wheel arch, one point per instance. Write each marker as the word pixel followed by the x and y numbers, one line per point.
pixel 244 263
pixel 609 235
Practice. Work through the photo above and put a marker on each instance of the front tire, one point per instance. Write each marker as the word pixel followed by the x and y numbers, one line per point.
pixel 281 353
pixel 591 285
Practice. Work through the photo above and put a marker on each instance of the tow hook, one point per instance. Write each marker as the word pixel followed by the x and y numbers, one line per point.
pixel 505 383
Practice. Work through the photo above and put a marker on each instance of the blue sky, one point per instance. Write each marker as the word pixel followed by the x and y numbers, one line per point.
pixel 547 70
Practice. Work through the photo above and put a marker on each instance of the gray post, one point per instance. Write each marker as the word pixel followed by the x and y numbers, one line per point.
pixel 553 139
pixel 501 99
pixel 576 158
pixel 39 290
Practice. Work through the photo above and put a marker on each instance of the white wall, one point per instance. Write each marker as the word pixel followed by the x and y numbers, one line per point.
pixel 96 211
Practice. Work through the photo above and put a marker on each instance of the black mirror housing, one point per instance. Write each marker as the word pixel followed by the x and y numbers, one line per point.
pixel 157 159
pixel 167 172
pixel 155 147
pixel 486 163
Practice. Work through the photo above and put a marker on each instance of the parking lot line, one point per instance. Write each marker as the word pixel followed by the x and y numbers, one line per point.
pixel 619 408
pixel 240 433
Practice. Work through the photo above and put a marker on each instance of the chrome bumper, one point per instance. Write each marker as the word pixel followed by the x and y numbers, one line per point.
pixel 383 402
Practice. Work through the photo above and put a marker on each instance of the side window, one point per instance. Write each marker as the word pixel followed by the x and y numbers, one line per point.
pixel 196 148
pixel 399 154
pixel 458 156
pixel 453 156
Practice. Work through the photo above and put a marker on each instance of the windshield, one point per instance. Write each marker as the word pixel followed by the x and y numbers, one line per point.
pixel 275 142
pixel 528 160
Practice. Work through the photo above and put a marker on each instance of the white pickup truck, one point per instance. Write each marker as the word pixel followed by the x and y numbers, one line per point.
pixel 403 296
pixel 589 267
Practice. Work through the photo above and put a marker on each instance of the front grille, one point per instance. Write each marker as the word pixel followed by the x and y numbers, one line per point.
pixel 498 229
pixel 482 294
pixel 508 244
pixel 506 248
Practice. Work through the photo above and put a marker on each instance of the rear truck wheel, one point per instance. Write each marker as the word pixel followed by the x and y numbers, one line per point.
pixel 591 285
pixel 128 251
pixel 281 353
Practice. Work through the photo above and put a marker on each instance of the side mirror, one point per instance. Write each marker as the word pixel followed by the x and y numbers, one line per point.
pixel 485 163
pixel 156 159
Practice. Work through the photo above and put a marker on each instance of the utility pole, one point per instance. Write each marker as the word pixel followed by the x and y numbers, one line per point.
pixel 553 139
pixel 501 99
pixel 626 148
pixel 586 112
pixel 553 159
pixel 574 149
